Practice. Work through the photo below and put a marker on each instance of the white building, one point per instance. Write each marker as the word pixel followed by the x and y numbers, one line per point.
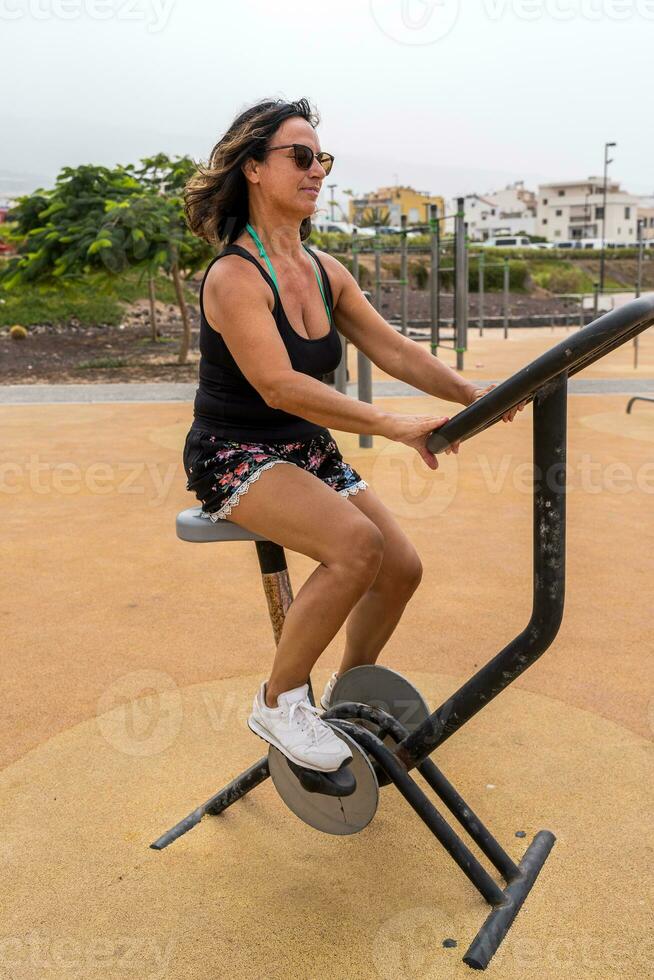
pixel 645 213
pixel 509 211
pixel 6 203
pixel 573 210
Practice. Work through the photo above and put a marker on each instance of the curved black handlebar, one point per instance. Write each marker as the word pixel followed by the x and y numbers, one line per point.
pixel 569 356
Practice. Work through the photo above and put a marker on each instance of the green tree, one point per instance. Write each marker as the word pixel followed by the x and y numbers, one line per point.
pixel 148 231
pixel 167 178
pixel 58 226
pixel 101 220
pixel 373 215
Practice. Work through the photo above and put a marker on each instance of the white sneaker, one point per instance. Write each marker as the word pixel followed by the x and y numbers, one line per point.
pixel 296 729
pixel 327 693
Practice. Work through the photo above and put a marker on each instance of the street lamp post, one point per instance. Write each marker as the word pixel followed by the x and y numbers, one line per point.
pixel 587 214
pixel 606 164
pixel 332 188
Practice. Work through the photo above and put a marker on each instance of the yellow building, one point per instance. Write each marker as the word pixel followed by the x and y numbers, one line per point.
pixel 390 203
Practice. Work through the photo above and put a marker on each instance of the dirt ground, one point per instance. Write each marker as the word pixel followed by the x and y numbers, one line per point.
pixel 131 660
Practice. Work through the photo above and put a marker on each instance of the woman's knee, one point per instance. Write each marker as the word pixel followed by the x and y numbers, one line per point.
pixel 362 550
pixel 412 573
pixel 400 573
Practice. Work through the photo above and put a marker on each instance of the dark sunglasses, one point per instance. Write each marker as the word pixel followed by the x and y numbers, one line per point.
pixel 304 156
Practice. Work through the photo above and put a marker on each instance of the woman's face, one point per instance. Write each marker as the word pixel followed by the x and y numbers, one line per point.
pixel 278 178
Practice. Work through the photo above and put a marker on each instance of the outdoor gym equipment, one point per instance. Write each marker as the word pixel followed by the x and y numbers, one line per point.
pixel 454 250
pixel 382 717
pixel 637 398
pixel 459 268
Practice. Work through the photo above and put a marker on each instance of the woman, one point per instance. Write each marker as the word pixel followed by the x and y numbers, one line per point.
pixel 271 313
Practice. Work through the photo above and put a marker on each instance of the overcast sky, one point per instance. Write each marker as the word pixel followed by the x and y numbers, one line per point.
pixel 449 97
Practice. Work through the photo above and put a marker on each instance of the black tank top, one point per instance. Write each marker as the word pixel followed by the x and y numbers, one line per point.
pixel 227 405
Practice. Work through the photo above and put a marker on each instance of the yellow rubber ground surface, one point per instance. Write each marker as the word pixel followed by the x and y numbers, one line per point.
pixel 130 663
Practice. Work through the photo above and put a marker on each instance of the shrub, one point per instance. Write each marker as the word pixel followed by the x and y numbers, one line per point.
pixel 101 362
pixel 419 270
pixel 564 281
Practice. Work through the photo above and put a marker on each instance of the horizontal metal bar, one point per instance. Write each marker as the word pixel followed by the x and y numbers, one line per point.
pixel 572 354
pixel 498 923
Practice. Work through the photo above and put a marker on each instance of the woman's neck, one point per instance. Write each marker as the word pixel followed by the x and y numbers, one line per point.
pixel 279 238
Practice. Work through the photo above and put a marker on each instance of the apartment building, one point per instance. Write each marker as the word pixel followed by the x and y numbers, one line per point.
pixel 509 211
pixel 390 203
pixel 572 210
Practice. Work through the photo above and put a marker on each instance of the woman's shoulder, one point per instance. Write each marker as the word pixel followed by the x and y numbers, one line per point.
pixel 234 266
pixel 229 277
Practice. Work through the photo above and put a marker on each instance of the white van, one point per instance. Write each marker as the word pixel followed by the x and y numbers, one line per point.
pixel 326 224
pixel 506 241
pixel 344 227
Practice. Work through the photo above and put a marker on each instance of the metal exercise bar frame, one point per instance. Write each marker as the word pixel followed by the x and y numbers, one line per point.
pixel 387 724
pixel 520 877
pixel 545 382
pixel 507 902
pixel 461 286
pixel 239 787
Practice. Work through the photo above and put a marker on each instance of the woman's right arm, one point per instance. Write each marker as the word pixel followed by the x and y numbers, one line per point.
pixel 235 300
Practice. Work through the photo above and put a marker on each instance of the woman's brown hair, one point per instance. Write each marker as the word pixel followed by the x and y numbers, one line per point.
pixel 216 196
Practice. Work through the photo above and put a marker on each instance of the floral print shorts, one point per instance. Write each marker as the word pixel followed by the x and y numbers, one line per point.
pixel 219 470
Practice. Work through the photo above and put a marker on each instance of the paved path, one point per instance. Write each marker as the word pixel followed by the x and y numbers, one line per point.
pixel 175 392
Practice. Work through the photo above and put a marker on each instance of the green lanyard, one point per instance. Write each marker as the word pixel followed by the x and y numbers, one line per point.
pixel 262 253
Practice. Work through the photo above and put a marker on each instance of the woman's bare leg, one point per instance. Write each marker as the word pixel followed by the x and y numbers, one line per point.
pixel 298 511
pixel 378 611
